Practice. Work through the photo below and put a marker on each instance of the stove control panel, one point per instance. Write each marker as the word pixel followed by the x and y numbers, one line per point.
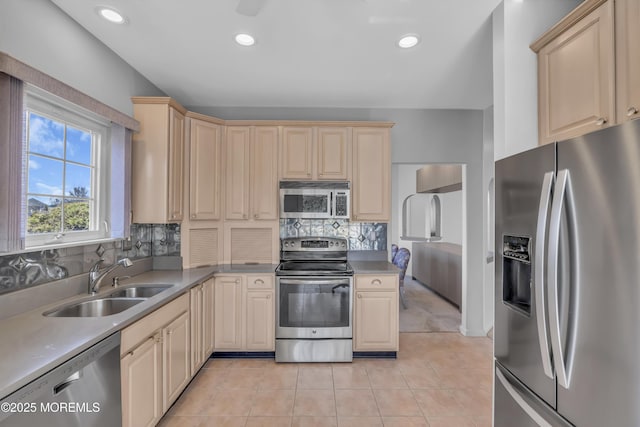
pixel 314 244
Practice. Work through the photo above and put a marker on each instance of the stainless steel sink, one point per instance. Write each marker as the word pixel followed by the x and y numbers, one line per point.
pixel 95 308
pixel 139 291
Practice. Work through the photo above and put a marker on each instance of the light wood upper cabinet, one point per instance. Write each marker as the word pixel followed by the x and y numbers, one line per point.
pixel 157 161
pixel 296 154
pixel 576 78
pixel 237 146
pixel 627 21
pixel 332 153
pixel 371 175
pixel 264 173
pixel 204 170
pixel 252 172
pixel 315 153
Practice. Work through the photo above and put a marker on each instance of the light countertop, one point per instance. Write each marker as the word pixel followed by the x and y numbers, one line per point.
pixel 33 344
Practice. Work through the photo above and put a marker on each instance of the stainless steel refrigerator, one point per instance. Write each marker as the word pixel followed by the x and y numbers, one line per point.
pixel 567 300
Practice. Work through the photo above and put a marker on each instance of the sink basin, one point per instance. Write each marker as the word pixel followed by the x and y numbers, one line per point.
pixel 95 308
pixel 139 291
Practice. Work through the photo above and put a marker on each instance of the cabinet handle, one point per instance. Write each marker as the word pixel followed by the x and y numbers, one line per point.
pixel 376 282
pixel 601 121
pixel 259 282
pixel 632 111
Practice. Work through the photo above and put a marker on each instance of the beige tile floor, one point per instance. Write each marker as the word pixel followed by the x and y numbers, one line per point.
pixel 438 380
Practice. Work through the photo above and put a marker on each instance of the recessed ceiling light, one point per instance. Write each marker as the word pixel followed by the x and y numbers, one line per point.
pixel 410 40
pixel 111 15
pixel 245 39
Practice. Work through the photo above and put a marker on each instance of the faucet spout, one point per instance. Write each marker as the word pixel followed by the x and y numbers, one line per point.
pixel 96 275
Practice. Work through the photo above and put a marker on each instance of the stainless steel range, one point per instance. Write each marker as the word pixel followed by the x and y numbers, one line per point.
pixel 314 300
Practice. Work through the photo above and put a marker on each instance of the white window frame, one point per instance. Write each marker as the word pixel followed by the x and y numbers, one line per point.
pixel 50 106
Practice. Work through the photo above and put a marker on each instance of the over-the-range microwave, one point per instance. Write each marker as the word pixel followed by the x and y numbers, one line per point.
pixel 314 199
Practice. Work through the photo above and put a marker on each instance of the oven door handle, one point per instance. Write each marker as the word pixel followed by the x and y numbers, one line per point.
pixel 342 285
pixel 316 281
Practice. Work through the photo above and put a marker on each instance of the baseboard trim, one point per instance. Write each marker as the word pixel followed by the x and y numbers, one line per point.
pixel 243 355
pixel 375 355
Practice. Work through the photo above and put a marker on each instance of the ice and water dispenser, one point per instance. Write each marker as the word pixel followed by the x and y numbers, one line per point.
pixel 516 272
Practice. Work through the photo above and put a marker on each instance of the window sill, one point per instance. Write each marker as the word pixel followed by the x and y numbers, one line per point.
pixel 62 245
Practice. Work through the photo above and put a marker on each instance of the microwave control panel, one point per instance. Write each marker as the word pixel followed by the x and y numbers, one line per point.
pixel 341 204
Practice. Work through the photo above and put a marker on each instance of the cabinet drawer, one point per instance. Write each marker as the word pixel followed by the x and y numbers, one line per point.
pixel 259 282
pixel 147 326
pixel 376 282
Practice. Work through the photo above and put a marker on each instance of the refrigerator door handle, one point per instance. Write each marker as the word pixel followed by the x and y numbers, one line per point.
pixel 563 187
pixel 540 297
pixel 520 401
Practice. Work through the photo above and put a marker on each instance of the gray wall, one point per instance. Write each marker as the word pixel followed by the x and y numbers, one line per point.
pixel 39 34
pixel 419 136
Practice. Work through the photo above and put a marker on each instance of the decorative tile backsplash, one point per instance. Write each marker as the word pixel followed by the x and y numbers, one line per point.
pixel 23 270
pixel 362 236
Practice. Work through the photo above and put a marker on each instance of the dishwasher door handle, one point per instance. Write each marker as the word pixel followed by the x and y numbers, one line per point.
pixel 67 382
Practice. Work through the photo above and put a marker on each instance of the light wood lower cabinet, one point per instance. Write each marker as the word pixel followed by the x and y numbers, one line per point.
pixel 155 365
pixel 376 312
pixel 176 372
pixel 244 313
pixel 142 384
pixel 202 306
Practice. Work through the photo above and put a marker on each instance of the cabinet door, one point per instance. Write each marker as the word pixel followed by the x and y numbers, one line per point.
pixel 260 324
pixel 142 384
pixel 297 153
pixel 176 371
pixel 332 154
pixel 576 78
pixel 228 313
pixel 237 172
pixel 176 164
pixel 196 317
pixel 264 170
pixel 204 170
pixel 208 318
pixel 371 175
pixel 628 59
pixel 376 321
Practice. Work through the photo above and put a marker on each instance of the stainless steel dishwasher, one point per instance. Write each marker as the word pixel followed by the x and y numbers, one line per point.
pixel 83 391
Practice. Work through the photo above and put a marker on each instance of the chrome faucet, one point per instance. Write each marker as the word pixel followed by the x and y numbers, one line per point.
pixel 96 275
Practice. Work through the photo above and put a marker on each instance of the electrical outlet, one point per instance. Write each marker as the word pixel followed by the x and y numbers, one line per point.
pixel 127 244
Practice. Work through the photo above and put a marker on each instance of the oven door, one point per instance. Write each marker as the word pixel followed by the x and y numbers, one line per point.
pixel 314 307
pixel 305 203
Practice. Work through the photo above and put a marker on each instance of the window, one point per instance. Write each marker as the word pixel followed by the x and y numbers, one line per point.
pixel 66 190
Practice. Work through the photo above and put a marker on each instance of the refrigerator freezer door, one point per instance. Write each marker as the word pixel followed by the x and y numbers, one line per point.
pixel 601 342
pixel 519 188
pixel 517 406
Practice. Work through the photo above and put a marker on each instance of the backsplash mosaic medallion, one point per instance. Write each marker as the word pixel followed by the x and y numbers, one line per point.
pixel 24 270
pixel 362 236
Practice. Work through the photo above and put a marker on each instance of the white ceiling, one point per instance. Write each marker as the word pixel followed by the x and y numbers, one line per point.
pixel 309 53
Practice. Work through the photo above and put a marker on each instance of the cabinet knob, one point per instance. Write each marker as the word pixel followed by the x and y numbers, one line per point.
pixel 376 282
pixel 256 216
pixel 237 281
pixel 269 296
pixel 193 215
pixel 632 111
pixel 601 121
